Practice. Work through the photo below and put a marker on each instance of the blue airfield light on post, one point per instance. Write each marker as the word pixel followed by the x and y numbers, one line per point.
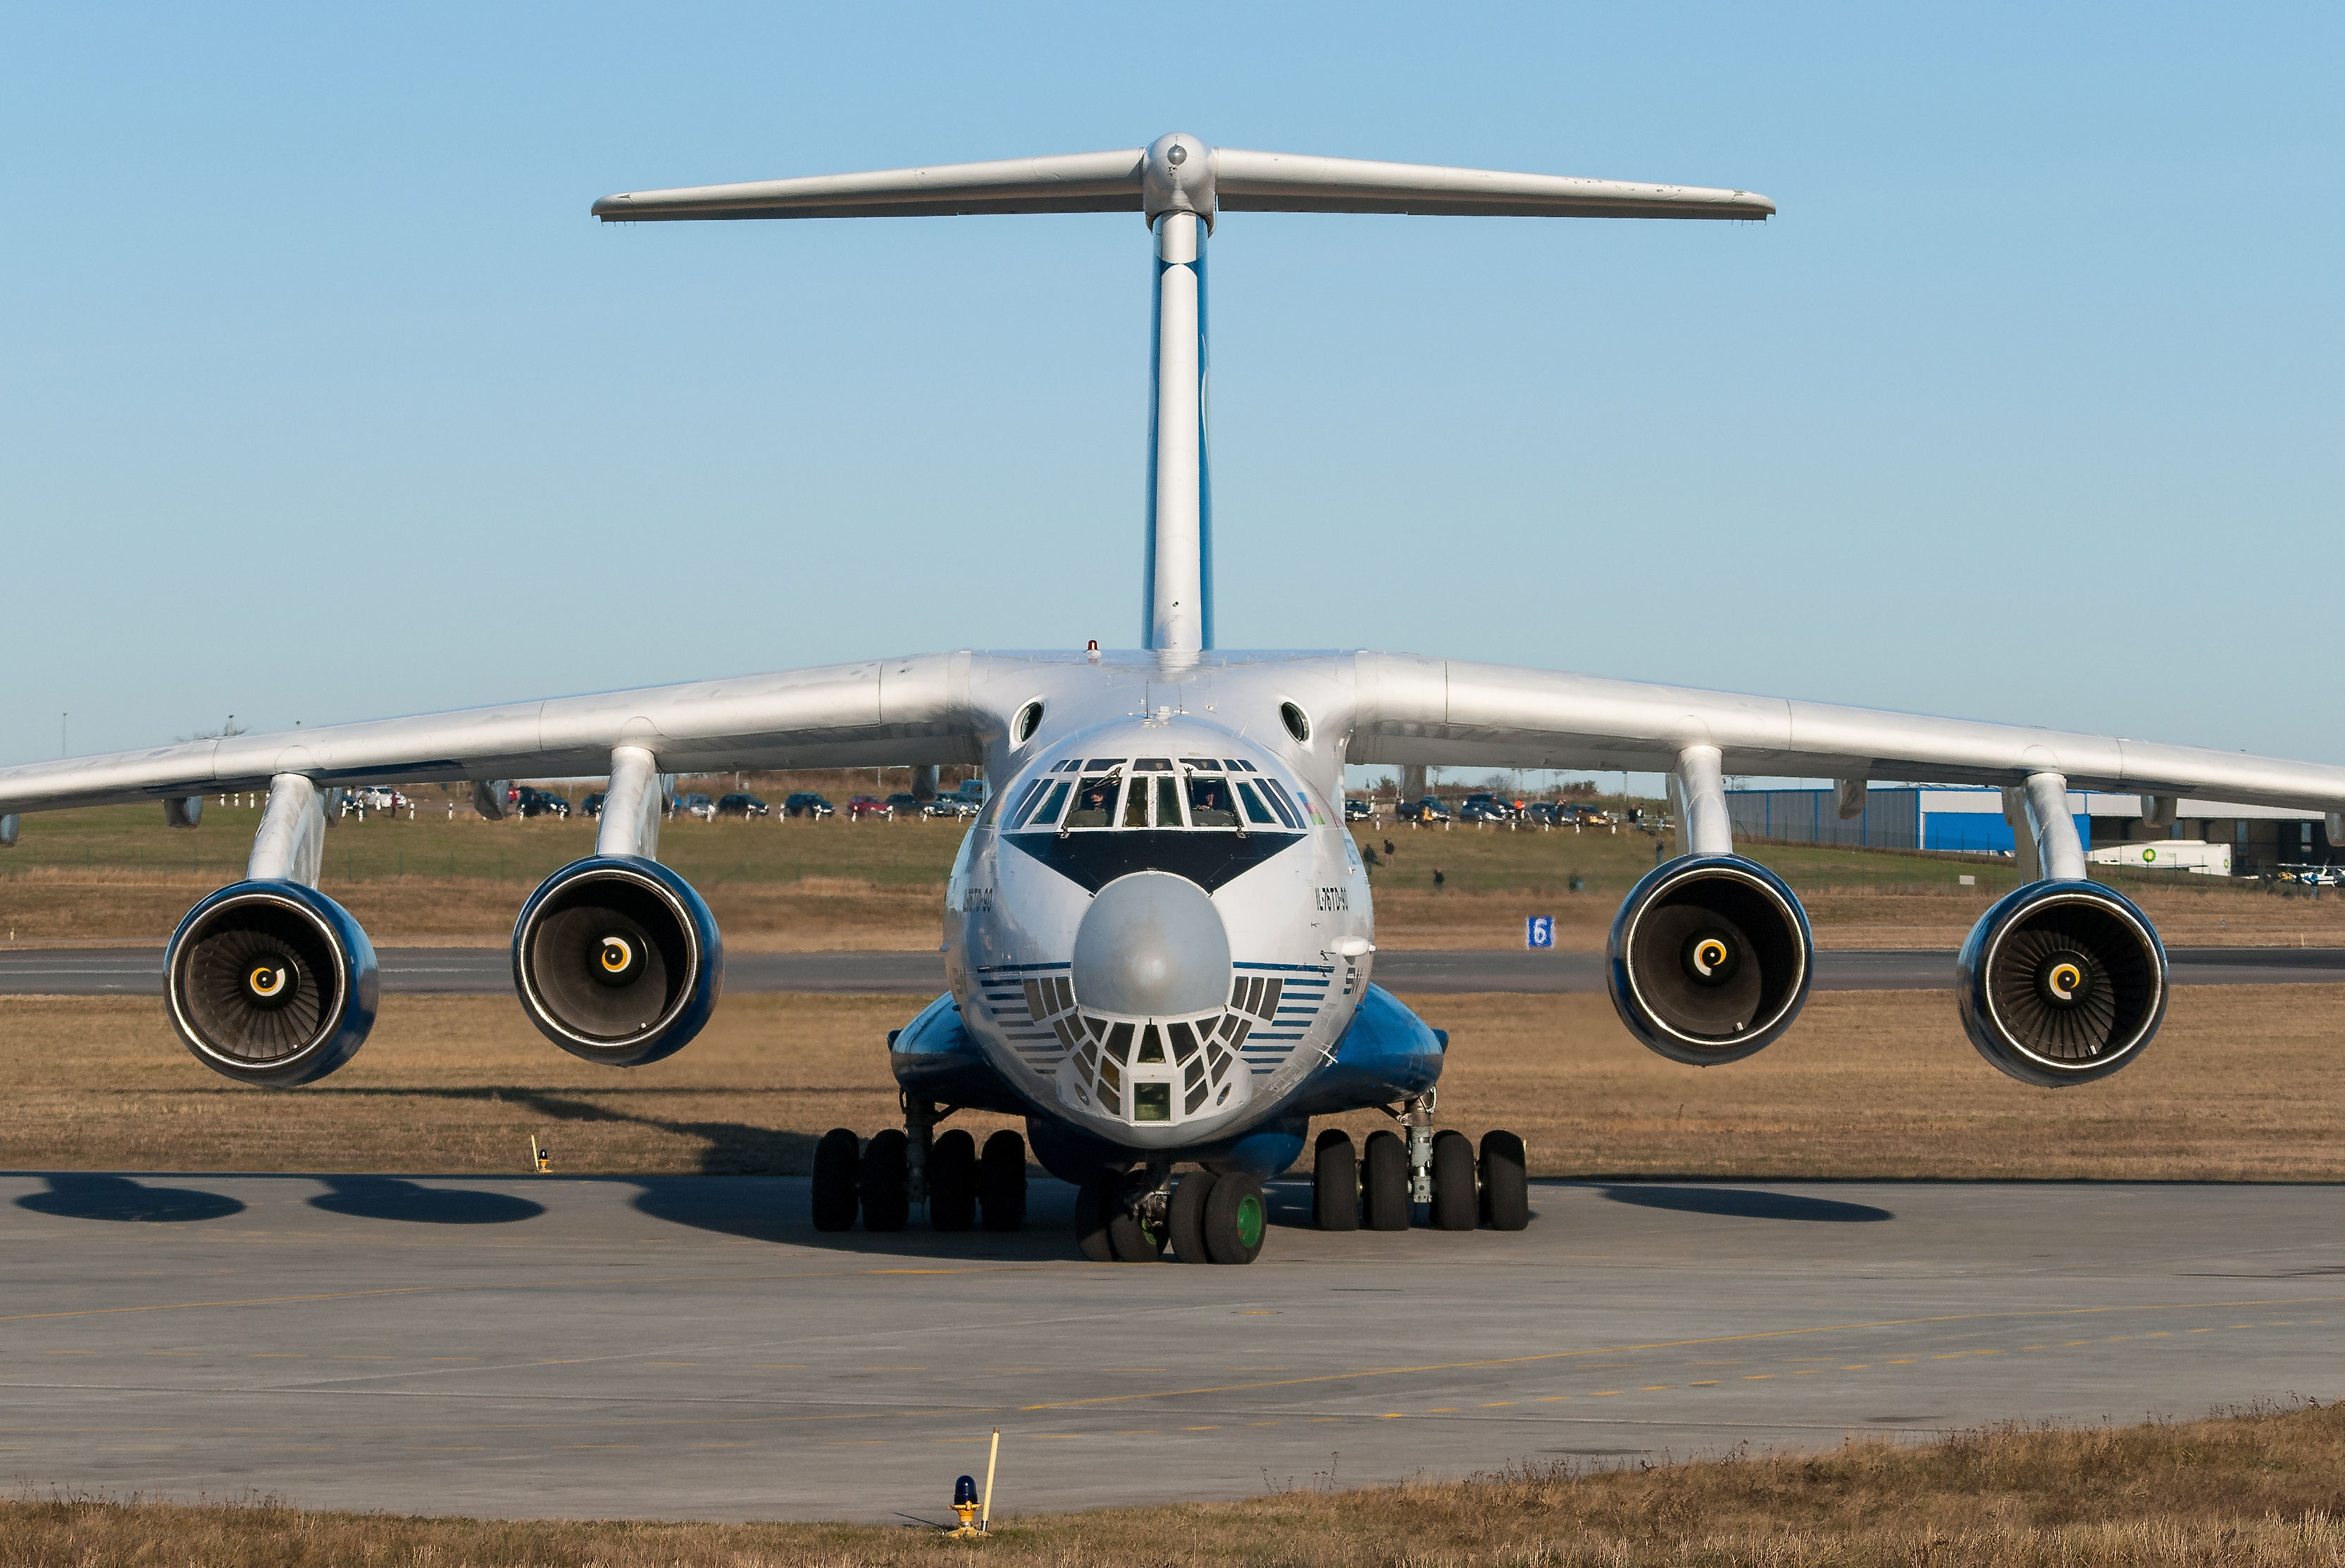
pixel 1538 931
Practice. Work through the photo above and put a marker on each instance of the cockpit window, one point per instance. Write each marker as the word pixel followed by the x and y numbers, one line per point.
pixel 1279 803
pixel 1159 793
pixel 1210 803
pixel 1050 805
pixel 1094 804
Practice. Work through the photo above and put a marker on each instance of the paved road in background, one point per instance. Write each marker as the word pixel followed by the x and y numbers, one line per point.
pixel 98 971
pixel 688 1346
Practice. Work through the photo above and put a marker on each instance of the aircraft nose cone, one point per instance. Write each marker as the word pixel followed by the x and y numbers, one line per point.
pixel 1152 944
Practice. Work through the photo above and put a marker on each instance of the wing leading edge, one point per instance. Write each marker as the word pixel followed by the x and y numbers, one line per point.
pixel 886 712
pixel 1422 710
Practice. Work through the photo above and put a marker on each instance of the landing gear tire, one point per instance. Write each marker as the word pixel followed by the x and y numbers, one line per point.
pixel 1236 1219
pixel 885 1203
pixel 953 1182
pixel 1457 1203
pixel 1001 1181
pixel 1383 1182
pixel 1185 1217
pixel 1335 1183
pixel 1506 1181
pixel 835 1162
pixel 1131 1239
pixel 1094 1206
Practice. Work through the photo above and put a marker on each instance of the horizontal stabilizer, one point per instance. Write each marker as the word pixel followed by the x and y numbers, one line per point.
pixel 1071 182
pixel 1291 182
pixel 1236 181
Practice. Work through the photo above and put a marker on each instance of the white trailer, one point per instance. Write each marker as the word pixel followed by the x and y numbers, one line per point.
pixel 2169 855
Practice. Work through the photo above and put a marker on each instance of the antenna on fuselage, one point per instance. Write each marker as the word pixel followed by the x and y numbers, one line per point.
pixel 1180 185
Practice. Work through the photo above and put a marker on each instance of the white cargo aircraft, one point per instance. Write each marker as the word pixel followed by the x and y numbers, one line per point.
pixel 1158 933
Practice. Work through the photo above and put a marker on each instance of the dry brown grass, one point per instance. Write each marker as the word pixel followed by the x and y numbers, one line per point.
pixel 2240 1086
pixel 2266 1487
pixel 1889 917
pixel 70 905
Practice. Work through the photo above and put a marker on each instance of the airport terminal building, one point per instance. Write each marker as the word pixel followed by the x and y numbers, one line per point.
pixel 1960 819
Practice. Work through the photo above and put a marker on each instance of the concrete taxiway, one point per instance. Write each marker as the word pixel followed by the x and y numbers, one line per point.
pixel 689 1348
pixel 485 972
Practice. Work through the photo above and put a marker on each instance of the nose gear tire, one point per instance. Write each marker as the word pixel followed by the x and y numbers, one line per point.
pixel 1184 1220
pixel 1335 1183
pixel 1094 1204
pixel 953 1182
pixel 1383 1182
pixel 835 1160
pixel 1457 1204
pixel 1131 1239
pixel 1236 1219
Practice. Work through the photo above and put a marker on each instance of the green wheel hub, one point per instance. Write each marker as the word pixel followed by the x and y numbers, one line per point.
pixel 1250 1220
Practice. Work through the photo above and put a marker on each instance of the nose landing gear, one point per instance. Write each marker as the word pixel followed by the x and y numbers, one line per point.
pixel 1133 1217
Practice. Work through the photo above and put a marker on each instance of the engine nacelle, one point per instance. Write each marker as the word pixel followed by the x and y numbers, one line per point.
pixel 1709 959
pixel 2062 983
pixel 271 982
pixel 617 960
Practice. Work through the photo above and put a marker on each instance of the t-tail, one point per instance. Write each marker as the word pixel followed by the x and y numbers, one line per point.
pixel 1180 186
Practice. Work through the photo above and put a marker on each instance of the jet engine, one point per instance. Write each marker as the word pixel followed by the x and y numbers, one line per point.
pixel 617 960
pixel 2061 982
pixel 1709 959
pixel 271 982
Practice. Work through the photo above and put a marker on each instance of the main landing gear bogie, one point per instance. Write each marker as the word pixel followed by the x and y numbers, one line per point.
pixel 1462 1186
pixel 961 1187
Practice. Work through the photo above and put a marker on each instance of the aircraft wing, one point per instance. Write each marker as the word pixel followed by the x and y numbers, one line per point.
pixel 884 713
pixel 1450 713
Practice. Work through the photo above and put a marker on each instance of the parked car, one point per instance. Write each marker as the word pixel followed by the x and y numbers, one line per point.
pixel 972 790
pixel 1429 809
pixel 743 806
pixel 540 803
pixel 699 806
pixel 860 806
pixel 592 804
pixel 904 803
pixel 1591 816
pixel 1356 809
pixel 377 798
pixel 951 806
pixel 1547 814
pixel 1484 807
pixel 807 803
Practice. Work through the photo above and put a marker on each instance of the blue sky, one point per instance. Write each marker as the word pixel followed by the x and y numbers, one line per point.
pixel 323 398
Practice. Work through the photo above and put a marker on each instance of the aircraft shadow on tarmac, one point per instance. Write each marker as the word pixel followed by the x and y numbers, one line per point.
pixel 1733 1203
pixel 390 1197
pixel 82 1196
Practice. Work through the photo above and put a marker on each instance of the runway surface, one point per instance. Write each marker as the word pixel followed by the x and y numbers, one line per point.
pixel 688 1347
pixel 101 971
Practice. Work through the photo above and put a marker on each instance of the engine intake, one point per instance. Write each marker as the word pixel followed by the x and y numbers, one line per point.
pixel 271 984
pixel 1709 959
pixel 2062 983
pixel 617 960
